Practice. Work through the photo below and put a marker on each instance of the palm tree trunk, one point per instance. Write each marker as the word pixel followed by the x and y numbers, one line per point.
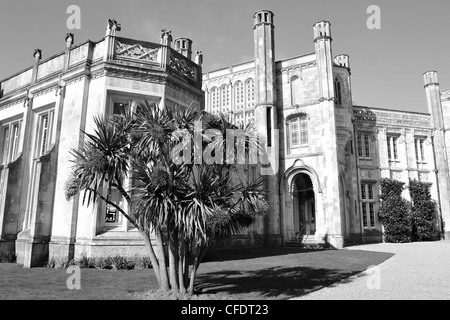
pixel 173 256
pixel 187 256
pixel 164 285
pixel 148 243
pixel 181 269
pixel 194 270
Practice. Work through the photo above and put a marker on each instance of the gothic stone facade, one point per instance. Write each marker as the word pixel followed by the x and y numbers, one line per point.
pixel 327 154
pixel 42 111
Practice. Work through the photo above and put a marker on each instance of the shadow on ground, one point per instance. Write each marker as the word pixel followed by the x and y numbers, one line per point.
pixel 246 274
pixel 283 276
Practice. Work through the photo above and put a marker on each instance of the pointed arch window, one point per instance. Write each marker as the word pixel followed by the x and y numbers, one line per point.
pixel 295 90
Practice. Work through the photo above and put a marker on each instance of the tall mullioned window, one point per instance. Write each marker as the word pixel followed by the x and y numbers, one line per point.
pixel 45 132
pixel 249 117
pixel 298 130
pixel 225 98
pixel 239 119
pixel 419 150
pixel 215 101
pixel 250 93
pixel 363 146
pixel 368 205
pixel 10 141
pixel 239 95
pixel 392 148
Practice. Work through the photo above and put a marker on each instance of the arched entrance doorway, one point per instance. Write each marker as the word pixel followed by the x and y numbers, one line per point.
pixel 304 208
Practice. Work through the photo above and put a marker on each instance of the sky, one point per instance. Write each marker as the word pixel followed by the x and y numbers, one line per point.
pixel 386 64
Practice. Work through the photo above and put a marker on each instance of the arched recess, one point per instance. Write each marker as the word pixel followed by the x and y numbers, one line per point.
pixel 296 95
pixel 289 209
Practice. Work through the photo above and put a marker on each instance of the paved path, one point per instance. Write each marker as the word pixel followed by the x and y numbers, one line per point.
pixel 419 271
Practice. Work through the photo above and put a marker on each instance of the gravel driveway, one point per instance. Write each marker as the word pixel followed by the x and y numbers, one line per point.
pixel 419 271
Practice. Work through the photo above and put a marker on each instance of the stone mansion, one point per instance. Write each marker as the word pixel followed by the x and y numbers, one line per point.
pixel 327 155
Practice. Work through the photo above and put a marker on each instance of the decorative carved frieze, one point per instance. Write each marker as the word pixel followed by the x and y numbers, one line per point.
pixel 361 129
pixel 396 174
pixel 182 66
pixel 424 176
pixel 391 118
pixel 364 115
pixel 136 52
pixel 16 102
pixel 134 74
pixel 367 174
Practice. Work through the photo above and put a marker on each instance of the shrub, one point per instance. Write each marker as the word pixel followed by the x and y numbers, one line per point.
pixel 102 263
pixel 85 263
pixel 51 263
pixel 121 263
pixel 66 263
pixel 116 263
pixel 425 225
pixel 8 257
pixel 394 212
pixel 143 263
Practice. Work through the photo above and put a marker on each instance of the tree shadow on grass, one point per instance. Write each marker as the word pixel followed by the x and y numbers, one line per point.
pixel 270 283
pixel 288 276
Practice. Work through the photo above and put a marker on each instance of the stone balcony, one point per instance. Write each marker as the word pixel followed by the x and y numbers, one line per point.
pixel 148 60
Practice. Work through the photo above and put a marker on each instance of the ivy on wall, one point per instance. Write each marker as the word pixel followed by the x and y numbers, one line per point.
pixel 425 226
pixel 394 212
pixel 405 221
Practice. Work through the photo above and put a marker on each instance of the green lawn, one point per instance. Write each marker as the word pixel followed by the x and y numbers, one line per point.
pixel 262 273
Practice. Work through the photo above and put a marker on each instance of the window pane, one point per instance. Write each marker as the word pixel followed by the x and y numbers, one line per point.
pixel 5 144
pixel 239 95
pixel 372 215
pixel 44 134
pixel 295 133
pixel 215 97
pixel 370 187
pixel 367 145
pixel 395 147
pixel 389 148
pixel 119 108
pixel 363 191
pixel 15 140
pixel 416 145
pixel 360 148
pixel 364 215
pixel 250 89
pixel 303 131
pixel 422 153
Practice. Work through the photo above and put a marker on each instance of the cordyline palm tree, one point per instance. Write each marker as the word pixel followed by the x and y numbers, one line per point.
pixel 183 204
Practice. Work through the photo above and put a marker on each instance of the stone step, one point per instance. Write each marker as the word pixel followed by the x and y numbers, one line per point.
pixel 306 244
